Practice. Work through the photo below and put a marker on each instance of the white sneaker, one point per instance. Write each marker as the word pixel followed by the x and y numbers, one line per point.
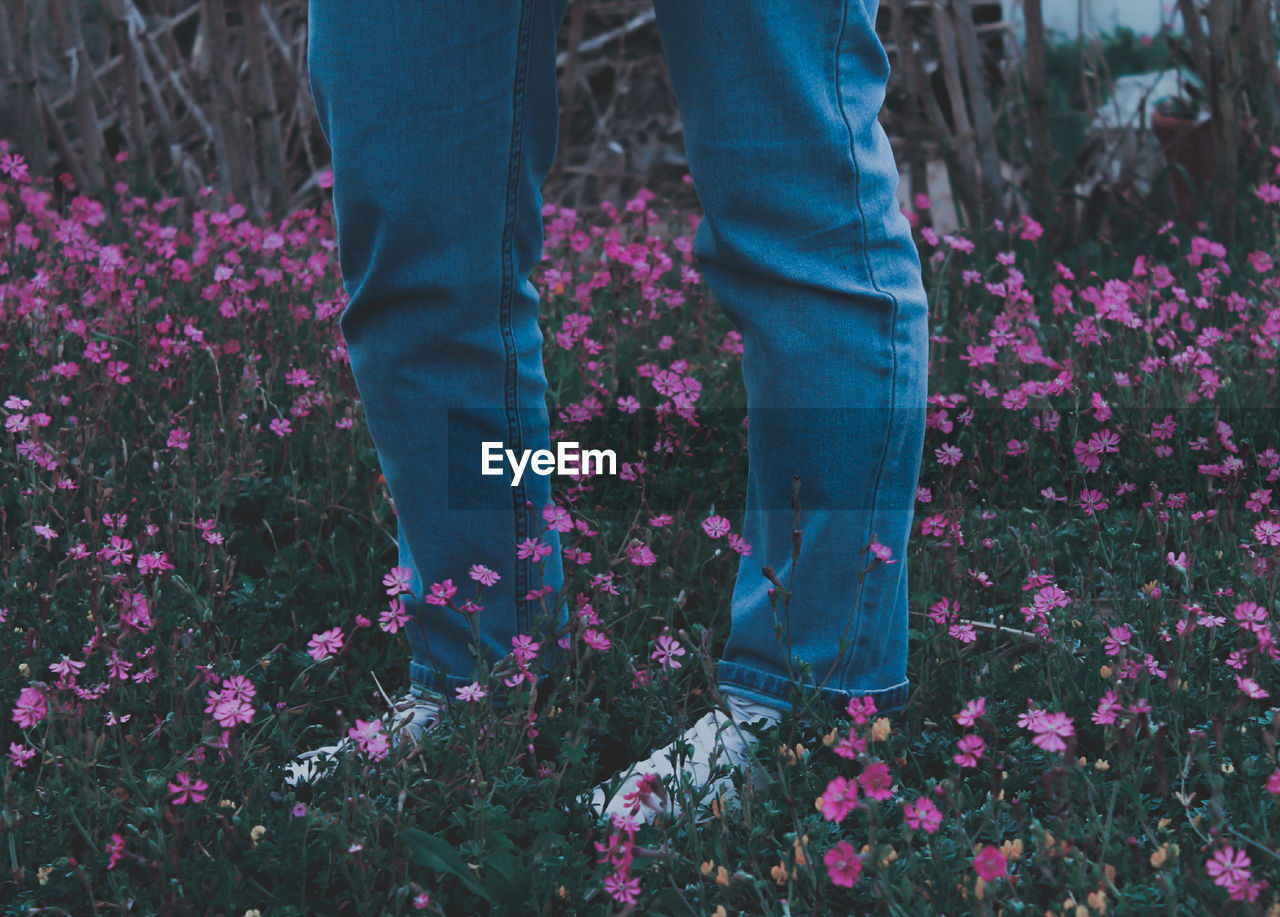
pixel 408 720
pixel 716 740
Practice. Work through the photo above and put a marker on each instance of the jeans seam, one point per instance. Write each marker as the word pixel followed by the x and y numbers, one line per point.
pixel 893 350
pixel 900 689
pixel 511 381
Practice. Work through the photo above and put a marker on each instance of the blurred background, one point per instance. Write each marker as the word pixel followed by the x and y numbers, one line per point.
pixel 1099 118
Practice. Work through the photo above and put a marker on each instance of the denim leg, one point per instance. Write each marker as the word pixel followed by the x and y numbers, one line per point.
pixel 442 118
pixel 803 245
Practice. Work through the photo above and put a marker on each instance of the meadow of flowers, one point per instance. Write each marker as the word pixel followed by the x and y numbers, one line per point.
pixel 199 580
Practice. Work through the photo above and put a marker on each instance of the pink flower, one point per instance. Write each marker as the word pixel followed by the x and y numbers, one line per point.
pixel 118 551
pixel 972 710
pixel 441 593
pixel 861 709
pixel 393 618
pixel 668 649
pixel 622 888
pixel 1051 729
pixel 483 575
pixel 876 782
pixel 990 863
pixel 523 647
pixel 184 789
pixel 472 692
pixel 1267 193
pixel 596 639
pixel 1229 866
pixel 280 427
pixel 299 377
pixel 31 708
pixel 1251 687
pixel 715 526
pixel 115 850
pixel 156 561
pixel 325 644
pixel 883 552
pixel 370 739
pixel 20 754
pixel 239 687
pixel 839 799
pixel 557 518
pixel 844 867
pixel 532 547
pixel 398 580
pixel 850 746
pixel 922 814
pixel 971 749
pixel 1109 707
pixel 230 711
pixel 639 554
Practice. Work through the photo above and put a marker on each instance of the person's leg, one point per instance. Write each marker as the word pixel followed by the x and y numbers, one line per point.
pixel 441 117
pixel 803 245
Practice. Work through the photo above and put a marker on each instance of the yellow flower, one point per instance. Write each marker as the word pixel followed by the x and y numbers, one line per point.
pixel 1097 901
pixel 256 832
pixel 828 740
pixel 780 874
pixel 563 893
pixel 722 877
pixel 253 912
pixel 880 729
pixel 1101 765
pixel 24 670
pixel 791 754
pixel 1158 858
pixel 801 860
pixel 1104 672
pixel 707 866
pixel 719 911
pixel 42 874
pixel 888 858
pixel 979 888
pixel 1012 850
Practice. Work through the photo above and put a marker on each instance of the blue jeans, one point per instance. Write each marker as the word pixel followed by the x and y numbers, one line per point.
pixel 442 120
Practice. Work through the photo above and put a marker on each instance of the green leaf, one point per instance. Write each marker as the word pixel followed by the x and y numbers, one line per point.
pixel 435 853
pixel 516 877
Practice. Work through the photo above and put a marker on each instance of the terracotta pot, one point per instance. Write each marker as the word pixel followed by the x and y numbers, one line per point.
pixel 1189 144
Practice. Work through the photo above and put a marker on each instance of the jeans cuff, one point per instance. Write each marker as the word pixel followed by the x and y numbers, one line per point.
pixel 424 682
pixel 763 687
